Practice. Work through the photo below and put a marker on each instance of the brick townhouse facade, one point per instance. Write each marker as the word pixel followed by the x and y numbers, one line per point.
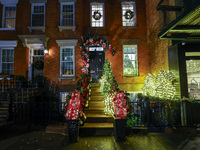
pixel 27 27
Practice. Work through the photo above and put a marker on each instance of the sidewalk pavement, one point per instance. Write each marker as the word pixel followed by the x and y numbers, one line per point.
pixel 40 140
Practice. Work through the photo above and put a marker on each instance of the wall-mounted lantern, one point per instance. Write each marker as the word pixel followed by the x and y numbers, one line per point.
pixel 46 51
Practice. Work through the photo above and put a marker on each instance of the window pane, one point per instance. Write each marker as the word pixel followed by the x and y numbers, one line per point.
pixel 67 61
pixel 130 60
pixel 7 61
pixel 67 15
pixel 128 14
pixel 97 18
pixel 193 78
pixel 9 17
pixel 38 20
pixel 10 12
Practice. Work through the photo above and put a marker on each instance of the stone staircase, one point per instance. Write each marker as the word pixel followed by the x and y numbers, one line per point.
pixel 97 122
pixel 3 112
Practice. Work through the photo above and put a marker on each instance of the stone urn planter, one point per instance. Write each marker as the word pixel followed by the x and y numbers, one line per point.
pixel 119 129
pixel 73 130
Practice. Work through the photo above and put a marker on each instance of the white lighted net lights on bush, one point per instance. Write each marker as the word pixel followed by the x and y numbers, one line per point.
pixel 120 107
pixel 109 104
pixel 160 86
pixel 74 107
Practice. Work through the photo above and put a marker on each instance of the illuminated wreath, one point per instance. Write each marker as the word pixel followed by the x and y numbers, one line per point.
pixel 97 15
pixel 129 14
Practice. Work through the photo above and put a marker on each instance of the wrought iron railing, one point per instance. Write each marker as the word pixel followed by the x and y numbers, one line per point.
pixel 43 113
pixel 20 93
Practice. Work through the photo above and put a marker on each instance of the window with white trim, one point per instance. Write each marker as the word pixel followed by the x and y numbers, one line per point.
pixel 130 67
pixel 67 61
pixel 97 14
pixel 7 60
pixel 128 14
pixel 9 16
pixel 67 17
pixel 38 15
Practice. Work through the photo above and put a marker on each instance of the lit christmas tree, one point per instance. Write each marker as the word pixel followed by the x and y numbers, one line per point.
pixel 108 82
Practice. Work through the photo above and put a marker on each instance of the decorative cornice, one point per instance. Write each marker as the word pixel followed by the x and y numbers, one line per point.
pixel 8 43
pixel 4 2
pixel 28 40
pixel 129 41
pixel 60 1
pixel 71 42
pixel 38 1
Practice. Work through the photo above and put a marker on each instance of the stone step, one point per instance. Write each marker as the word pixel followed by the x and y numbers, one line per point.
pixel 97 104
pixel 3 115
pixel 95 89
pixel 100 98
pixel 98 118
pixel 96 85
pixel 93 93
pixel 94 111
pixel 98 125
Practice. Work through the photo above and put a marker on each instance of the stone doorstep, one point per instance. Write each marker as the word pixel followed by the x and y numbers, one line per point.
pixel 59 129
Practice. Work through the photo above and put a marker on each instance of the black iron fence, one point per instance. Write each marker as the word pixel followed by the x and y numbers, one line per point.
pixel 170 113
pixel 27 98
pixel 39 113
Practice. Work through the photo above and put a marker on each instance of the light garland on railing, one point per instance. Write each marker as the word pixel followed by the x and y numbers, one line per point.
pixel 109 104
pixel 160 86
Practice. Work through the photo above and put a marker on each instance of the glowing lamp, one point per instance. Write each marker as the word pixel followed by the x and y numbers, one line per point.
pixel 46 51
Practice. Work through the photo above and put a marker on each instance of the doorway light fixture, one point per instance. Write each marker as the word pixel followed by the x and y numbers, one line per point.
pixel 46 51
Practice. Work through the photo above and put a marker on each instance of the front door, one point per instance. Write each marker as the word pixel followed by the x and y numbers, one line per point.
pixel 37 64
pixel 97 59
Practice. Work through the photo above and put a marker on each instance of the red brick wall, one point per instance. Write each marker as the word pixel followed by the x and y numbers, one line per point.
pixel 113 30
pixel 158 49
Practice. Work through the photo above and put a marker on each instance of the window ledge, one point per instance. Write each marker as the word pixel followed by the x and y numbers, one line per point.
pixel 98 27
pixel 131 76
pixel 36 28
pixel 7 29
pixel 66 77
pixel 66 28
pixel 129 27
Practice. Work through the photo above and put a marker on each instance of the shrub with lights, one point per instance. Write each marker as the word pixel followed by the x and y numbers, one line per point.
pixel 107 81
pixel 159 86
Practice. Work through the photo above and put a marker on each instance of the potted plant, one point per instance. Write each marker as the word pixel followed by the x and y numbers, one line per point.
pixel 72 116
pixel 120 116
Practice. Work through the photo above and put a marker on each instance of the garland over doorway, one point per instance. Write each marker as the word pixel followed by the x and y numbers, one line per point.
pixel 88 41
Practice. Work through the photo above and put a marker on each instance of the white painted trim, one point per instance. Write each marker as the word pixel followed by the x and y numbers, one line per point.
pixel 32 8
pixel 28 40
pixel 31 28
pixel 32 47
pixel 66 28
pixel 125 46
pixel 1 48
pixel 61 75
pixel 3 16
pixel 91 15
pixel 5 2
pixel 71 42
pixel 8 43
pixel 9 29
pixel 61 10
